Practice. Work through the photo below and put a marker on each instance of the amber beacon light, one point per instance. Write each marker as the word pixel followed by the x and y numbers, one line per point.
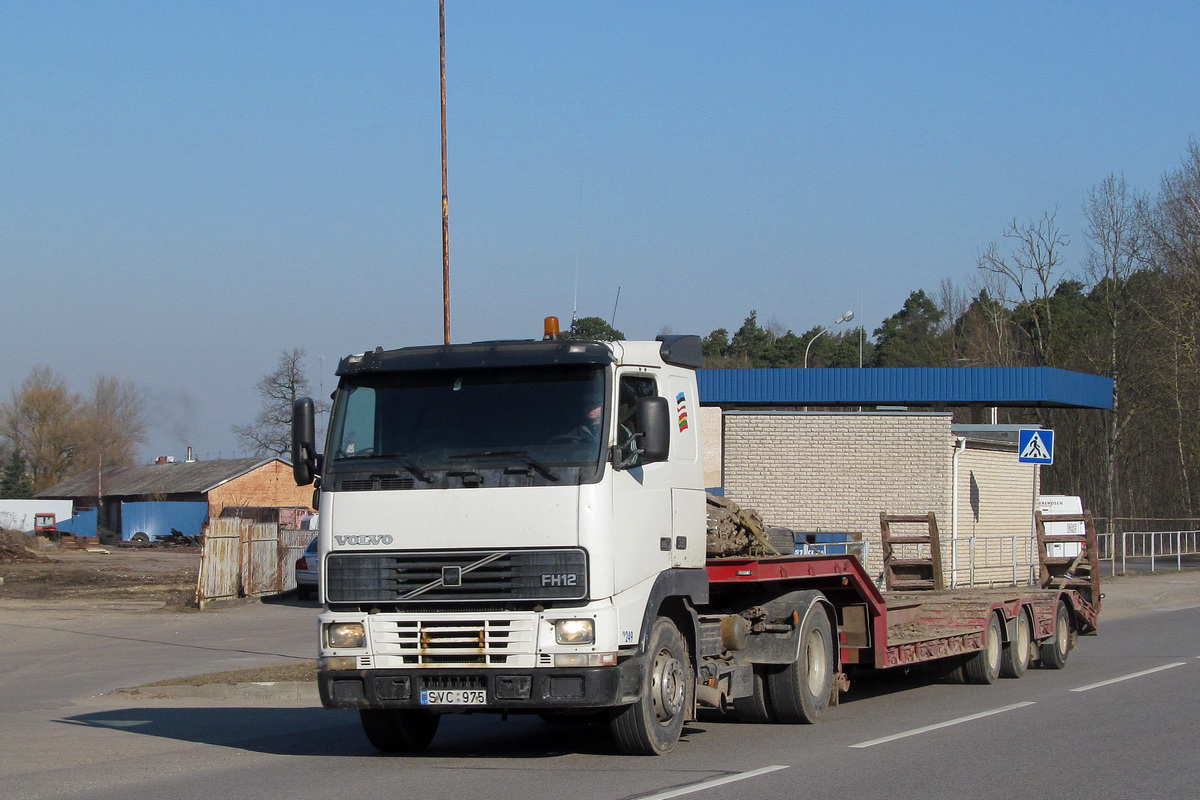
pixel 550 326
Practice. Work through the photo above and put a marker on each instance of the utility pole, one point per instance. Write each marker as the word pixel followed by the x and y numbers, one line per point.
pixel 445 191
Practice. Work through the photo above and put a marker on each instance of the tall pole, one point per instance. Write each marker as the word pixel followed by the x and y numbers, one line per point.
pixel 445 191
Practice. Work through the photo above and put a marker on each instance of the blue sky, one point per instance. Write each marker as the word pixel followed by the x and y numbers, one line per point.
pixel 187 190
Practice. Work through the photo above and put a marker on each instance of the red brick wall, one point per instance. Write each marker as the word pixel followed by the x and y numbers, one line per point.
pixel 271 484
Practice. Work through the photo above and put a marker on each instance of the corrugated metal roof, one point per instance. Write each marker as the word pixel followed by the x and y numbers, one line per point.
pixel 191 477
pixel 988 386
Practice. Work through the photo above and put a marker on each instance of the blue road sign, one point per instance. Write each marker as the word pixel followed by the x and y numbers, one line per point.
pixel 1035 446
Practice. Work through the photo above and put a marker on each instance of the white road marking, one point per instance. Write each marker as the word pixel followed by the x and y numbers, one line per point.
pixel 940 725
pixel 1129 676
pixel 699 787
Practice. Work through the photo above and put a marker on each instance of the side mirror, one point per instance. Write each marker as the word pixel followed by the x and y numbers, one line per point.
pixel 304 458
pixel 653 420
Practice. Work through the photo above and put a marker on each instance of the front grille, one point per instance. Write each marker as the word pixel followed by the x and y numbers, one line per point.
pixel 455 642
pixel 459 577
pixel 453 682
pixel 375 483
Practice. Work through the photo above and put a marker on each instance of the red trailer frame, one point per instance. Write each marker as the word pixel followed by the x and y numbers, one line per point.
pixel 902 628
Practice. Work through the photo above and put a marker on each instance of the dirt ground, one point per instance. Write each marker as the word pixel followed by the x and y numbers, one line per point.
pixel 35 569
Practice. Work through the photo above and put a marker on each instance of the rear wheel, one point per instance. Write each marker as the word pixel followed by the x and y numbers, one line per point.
pixel 757 707
pixel 800 691
pixel 399 730
pixel 1017 651
pixel 1053 652
pixel 652 725
pixel 983 667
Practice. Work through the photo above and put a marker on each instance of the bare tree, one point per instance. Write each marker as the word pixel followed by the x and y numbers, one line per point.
pixel 1176 241
pixel 41 421
pixel 1117 233
pixel 1032 269
pixel 271 431
pixel 111 424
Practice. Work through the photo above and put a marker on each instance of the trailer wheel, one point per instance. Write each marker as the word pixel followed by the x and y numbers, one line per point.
pixel 757 707
pixel 399 730
pixel 1053 652
pixel 800 691
pixel 1018 651
pixel 651 726
pixel 983 667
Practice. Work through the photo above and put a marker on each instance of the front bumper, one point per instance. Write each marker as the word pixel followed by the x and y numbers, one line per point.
pixel 508 691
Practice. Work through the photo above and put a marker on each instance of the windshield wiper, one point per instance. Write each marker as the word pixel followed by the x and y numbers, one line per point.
pixel 405 460
pixel 524 456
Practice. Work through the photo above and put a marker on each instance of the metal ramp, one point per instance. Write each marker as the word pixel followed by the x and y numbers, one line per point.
pixel 1069 560
pixel 920 566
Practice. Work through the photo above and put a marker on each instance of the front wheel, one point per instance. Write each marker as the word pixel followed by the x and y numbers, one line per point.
pixel 399 730
pixel 652 725
pixel 800 691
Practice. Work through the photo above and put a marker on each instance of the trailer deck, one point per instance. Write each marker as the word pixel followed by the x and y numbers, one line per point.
pixel 891 629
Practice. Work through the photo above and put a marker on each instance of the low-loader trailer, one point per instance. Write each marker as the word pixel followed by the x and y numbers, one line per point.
pixel 520 527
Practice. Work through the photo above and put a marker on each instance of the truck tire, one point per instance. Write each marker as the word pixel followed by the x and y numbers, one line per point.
pixel 399 730
pixel 1053 652
pixel 800 692
pixel 756 708
pixel 1018 651
pixel 983 667
pixel 652 725
pixel 140 538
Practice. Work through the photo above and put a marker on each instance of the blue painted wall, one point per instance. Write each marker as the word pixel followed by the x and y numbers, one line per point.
pixel 158 518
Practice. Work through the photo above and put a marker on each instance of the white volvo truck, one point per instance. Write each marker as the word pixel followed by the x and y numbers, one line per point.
pixel 520 527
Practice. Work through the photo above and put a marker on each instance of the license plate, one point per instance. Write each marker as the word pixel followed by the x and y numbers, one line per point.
pixel 453 697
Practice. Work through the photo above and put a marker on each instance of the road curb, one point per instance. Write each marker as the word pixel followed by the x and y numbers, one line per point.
pixel 295 691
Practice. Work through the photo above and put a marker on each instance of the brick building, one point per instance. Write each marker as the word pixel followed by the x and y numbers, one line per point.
pixel 838 471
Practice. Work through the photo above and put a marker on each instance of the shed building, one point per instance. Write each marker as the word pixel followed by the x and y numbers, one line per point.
pixel 242 482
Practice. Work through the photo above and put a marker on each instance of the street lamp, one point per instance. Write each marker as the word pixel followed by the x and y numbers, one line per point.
pixel 849 315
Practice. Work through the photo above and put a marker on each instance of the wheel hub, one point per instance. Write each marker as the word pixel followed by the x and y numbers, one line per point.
pixel 667 688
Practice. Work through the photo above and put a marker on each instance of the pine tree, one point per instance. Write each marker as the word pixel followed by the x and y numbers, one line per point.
pixel 14 482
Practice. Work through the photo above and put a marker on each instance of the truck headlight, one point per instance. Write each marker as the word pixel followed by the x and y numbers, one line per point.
pixel 574 631
pixel 345 634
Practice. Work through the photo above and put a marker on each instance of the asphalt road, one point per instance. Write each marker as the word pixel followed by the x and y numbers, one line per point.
pixel 1118 722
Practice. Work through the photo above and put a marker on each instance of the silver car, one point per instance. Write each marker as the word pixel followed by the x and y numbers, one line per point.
pixel 307 571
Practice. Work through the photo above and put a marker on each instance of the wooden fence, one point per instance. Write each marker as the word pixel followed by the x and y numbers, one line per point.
pixel 244 558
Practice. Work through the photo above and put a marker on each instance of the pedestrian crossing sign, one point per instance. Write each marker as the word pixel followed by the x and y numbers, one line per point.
pixel 1035 446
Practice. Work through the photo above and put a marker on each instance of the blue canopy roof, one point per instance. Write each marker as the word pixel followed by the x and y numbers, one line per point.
pixel 921 386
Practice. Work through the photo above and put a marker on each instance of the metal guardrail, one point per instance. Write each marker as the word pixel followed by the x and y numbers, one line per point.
pixel 993 554
pixel 1143 550
pixel 1158 546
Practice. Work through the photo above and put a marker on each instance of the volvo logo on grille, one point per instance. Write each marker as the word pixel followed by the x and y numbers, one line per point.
pixel 451 576
pixel 344 541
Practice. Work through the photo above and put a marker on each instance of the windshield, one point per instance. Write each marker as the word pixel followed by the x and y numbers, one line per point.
pixel 536 417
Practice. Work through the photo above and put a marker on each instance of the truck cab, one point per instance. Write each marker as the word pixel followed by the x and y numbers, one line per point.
pixel 504 527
